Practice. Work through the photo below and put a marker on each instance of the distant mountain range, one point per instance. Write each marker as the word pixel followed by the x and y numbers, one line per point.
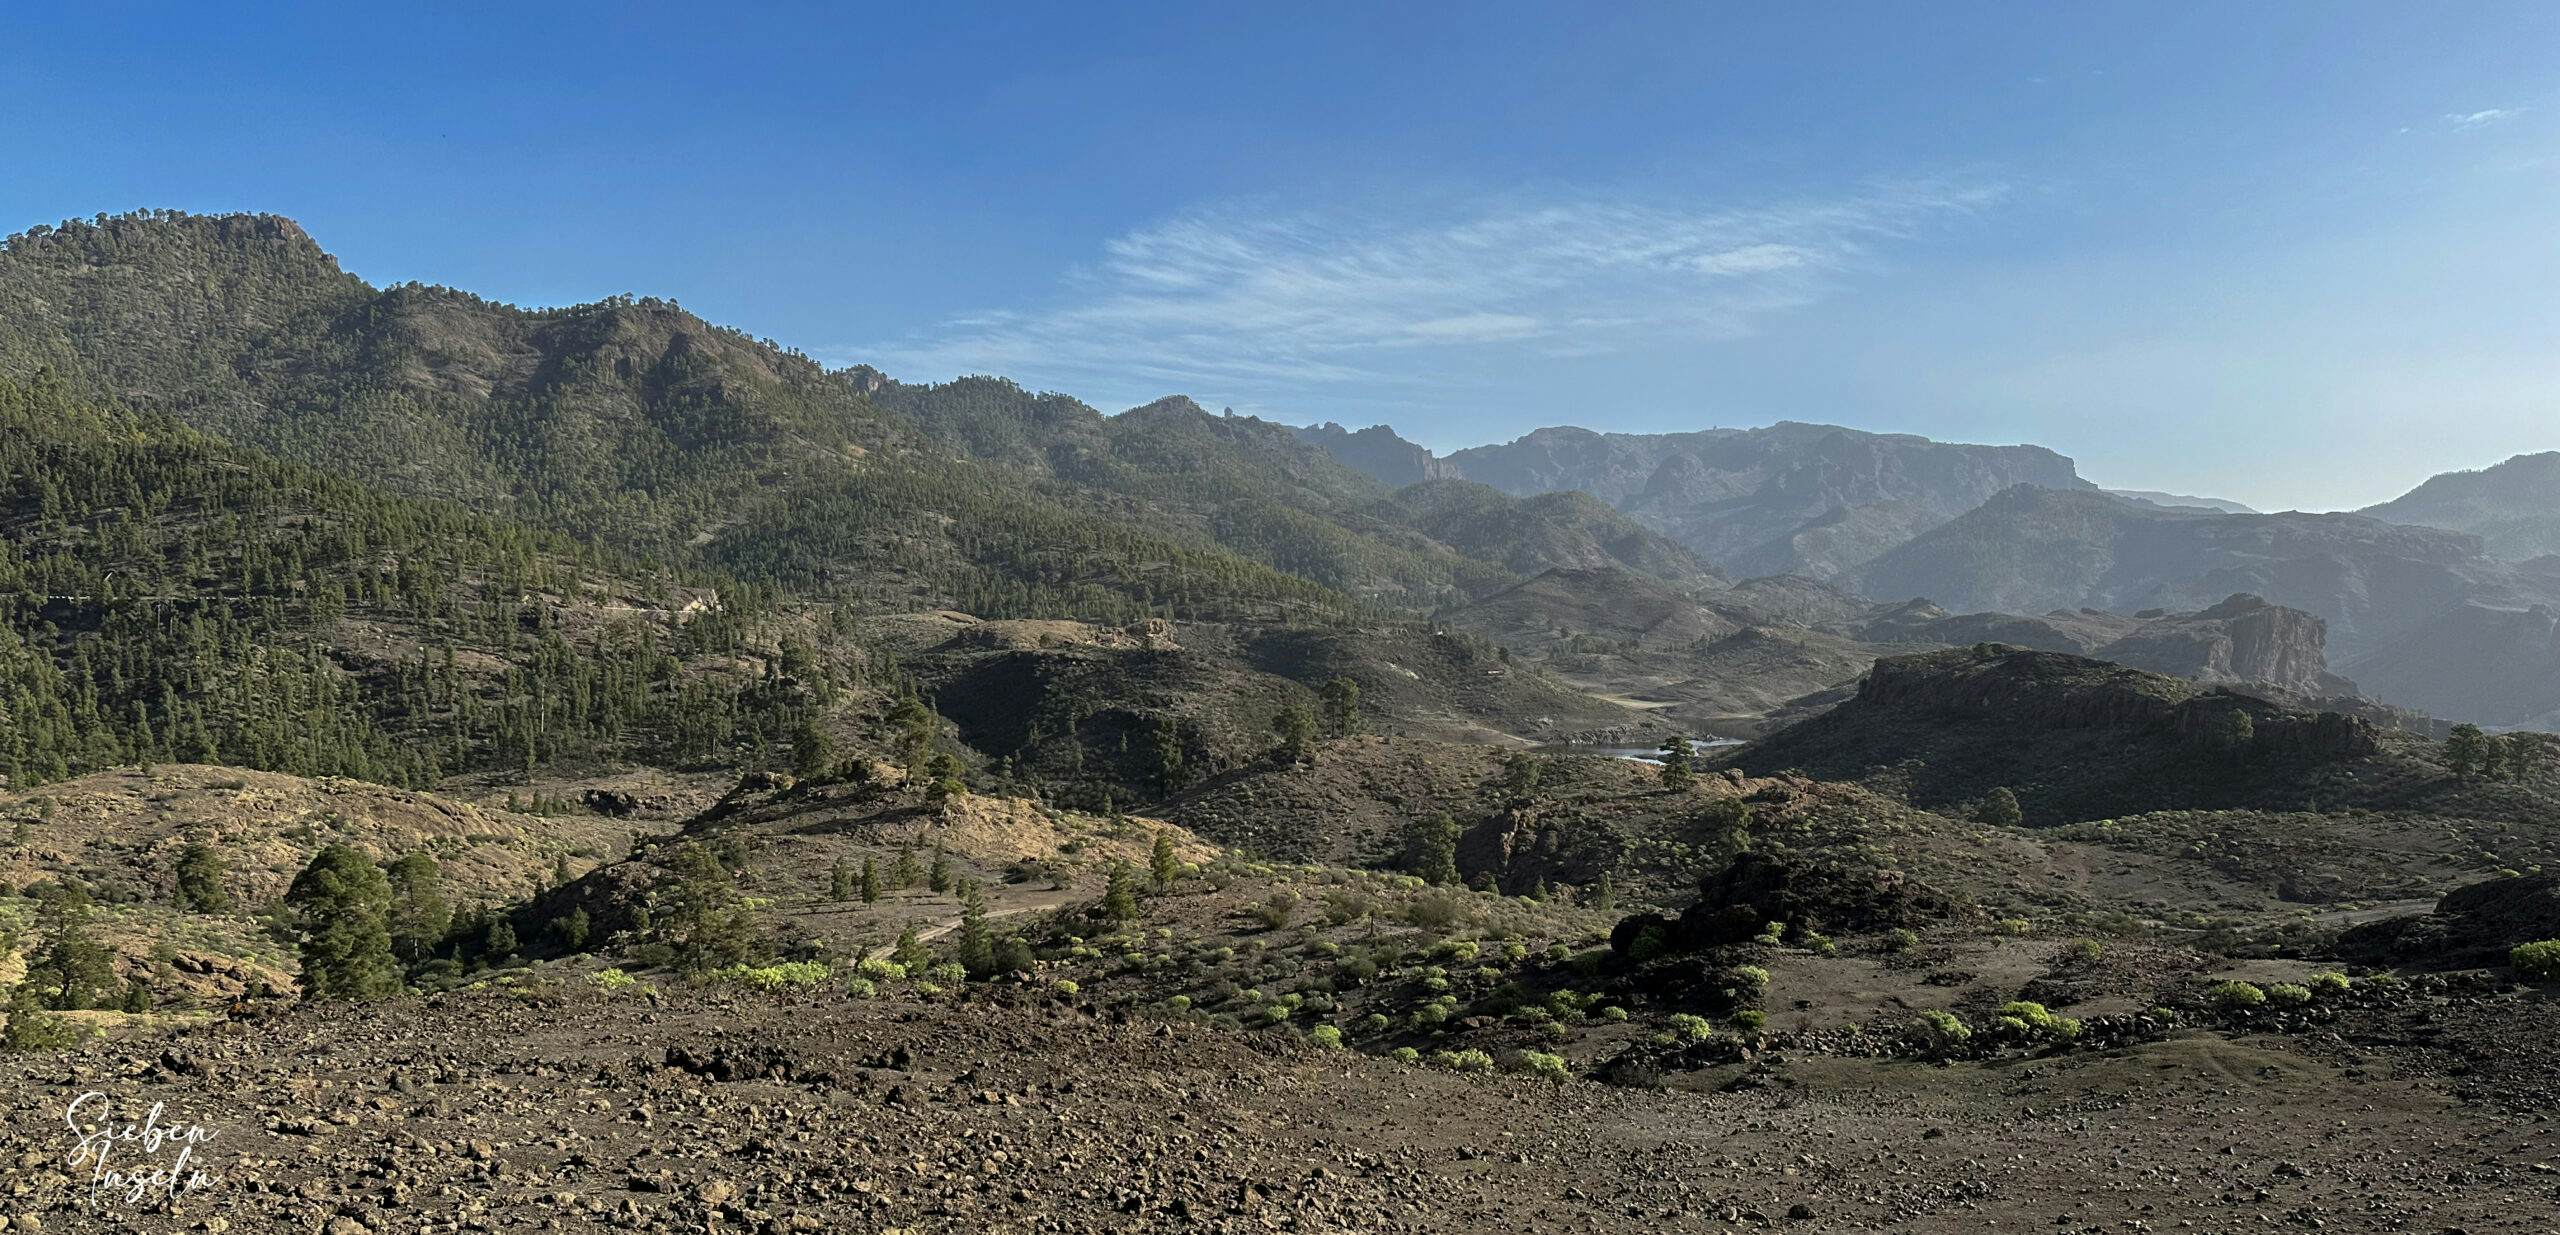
pixel 633 425
pixel 1798 499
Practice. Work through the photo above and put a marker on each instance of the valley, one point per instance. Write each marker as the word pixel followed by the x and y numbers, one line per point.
pixel 589 768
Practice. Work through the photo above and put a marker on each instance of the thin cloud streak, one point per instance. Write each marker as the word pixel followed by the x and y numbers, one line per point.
pixel 1252 307
pixel 2479 119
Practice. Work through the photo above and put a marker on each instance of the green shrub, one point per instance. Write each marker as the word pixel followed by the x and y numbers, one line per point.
pixel 2288 995
pixel 784 976
pixel 1463 1061
pixel 2331 983
pixel 1405 1054
pixel 2030 1021
pixel 1939 1032
pixel 1750 1022
pixel 2236 996
pixel 1540 1063
pixel 862 988
pixel 1901 939
pixel 880 969
pixel 2539 961
pixel 1179 1003
pixel 1455 950
pixel 1325 1036
pixel 1066 987
pixel 1686 1027
pixel 1613 1013
pixel 613 980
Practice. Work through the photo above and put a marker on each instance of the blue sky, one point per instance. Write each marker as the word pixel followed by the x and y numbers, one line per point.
pixel 2300 255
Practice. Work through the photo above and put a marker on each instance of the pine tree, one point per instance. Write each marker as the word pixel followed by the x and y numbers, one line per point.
pixel 2000 809
pixel 938 879
pixel 701 913
pixel 502 942
pixel 870 882
pixel 813 755
pixel 1296 729
pixel 906 872
pixel 976 950
pixel 421 916
pixel 1522 773
pixel 74 970
pixel 342 903
pixel 571 930
pixel 1431 850
pixel 1164 863
pixel 31 1028
pixel 840 880
pixel 910 952
pixel 2466 750
pixel 1675 762
pixel 1341 700
pixel 200 872
pixel 1120 895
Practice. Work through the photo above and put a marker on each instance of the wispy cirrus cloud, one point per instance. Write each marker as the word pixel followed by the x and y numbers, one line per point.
pixel 2483 118
pixel 1251 306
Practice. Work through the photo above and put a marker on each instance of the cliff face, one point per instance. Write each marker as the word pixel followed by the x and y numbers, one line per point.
pixel 2242 641
pixel 1378 453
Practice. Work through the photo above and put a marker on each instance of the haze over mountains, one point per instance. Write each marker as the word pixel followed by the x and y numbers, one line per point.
pixel 633 424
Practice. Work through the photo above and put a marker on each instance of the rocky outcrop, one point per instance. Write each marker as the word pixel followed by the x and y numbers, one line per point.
pixel 2473 925
pixel 1378 453
pixel 2242 641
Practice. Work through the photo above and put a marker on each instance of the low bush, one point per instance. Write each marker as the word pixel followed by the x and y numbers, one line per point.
pixel 1940 1032
pixel 1540 1063
pixel 2539 961
pixel 1686 1027
pixel 2236 996
pixel 1463 1061
pixel 2288 995
pixel 2028 1021
pixel 784 976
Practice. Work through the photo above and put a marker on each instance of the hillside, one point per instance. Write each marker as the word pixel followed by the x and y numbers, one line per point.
pixel 632 423
pixel 2079 740
pixel 2514 507
pixel 170 597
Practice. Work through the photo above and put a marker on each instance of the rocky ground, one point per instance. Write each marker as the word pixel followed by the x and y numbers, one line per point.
pixel 556 1106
